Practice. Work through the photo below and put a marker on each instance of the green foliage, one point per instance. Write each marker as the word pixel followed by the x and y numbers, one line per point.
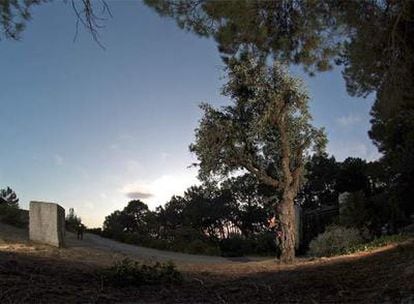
pixel 234 246
pixel 13 16
pixel 395 138
pixel 380 58
pixel 377 242
pixel 299 32
pixel 266 131
pixel 8 197
pixel 264 243
pixel 72 221
pixel 250 134
pixel 97 231
pixel 206 209
pixel 9 209
pixel 372 40
pixel 134 218
pixel 250 206
pixel 335 240
pixel 352 175
pixel 131 273
pixel 200 247
pixel 196 246
pixel 370 212
pixel 320 185
pixel 12 215
pixel 160 244
pixel 187 233
pixel 338 240
pixel 354 211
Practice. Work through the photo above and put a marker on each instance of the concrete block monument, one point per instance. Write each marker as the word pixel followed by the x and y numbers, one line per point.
pixel 47 223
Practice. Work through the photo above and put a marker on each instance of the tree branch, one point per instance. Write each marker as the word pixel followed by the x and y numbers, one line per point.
pixel 260 174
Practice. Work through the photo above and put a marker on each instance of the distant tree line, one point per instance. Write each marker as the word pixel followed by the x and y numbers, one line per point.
pixel 370 39
pixel 9 209
pixel 72 221
pixel 231 217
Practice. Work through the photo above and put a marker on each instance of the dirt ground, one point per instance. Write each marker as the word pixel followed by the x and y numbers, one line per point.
pixel 32 273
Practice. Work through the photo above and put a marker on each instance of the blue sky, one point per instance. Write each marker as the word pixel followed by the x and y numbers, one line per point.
pixel 88 128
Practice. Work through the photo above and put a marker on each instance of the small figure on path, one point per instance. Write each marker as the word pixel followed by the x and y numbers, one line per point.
pixel 79 230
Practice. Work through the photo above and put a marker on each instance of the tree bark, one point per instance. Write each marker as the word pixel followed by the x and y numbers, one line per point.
pixel 287 226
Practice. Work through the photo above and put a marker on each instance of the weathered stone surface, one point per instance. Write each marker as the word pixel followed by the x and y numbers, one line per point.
pixel 47 223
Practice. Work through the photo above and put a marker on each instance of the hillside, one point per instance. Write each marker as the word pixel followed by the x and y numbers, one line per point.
pixel 41 274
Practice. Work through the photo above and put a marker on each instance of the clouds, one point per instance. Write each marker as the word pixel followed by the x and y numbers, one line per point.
pixel 158 191
pixel 138 195
pixel 342 150
pixel 349 120
pixel 58 159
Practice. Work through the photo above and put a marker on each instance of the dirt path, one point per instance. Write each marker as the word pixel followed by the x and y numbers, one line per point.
pixel 33 273
pixel 97 243
pixel 104 244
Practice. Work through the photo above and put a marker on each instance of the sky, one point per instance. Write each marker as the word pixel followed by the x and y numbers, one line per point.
pixel 91 129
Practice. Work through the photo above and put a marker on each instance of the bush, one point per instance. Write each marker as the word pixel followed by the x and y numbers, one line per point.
pixel 378 242
pixel 132 273
pixel 200 247
pixel 186 234
pixel 131 238
pixel 354 211
pixel 72 221
pixel 97 231
pixel 234 246
pixel 265 243
pixel 158 244
pixel 12 215
pixel 335 240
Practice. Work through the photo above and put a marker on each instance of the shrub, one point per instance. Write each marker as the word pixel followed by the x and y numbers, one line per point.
pixel 378 242
pixel 131 273
pixel 265 243
pixel 12 215
pixel 131 238
pixel 72 221
pixel 97 231
pixel 186 234
pixel 354 211
pixel 234 246
pixel 334 241
pixel 200 247
pixel 158 244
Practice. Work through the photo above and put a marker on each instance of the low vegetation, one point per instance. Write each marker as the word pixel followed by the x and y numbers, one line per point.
pixel 9 209
pixel 338 240
pixel 40 276
pixel 377 243
pixel 12 215
pixel 334 241
pixel 132 273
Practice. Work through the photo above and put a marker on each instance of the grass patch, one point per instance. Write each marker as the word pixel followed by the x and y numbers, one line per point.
pixel 377 243
pixel 131 273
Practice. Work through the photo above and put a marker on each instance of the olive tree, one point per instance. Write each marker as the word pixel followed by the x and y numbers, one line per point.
pixel 265 131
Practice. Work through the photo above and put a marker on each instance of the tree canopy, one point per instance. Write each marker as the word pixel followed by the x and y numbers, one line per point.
pixel 266 131
pixel 15 14
pixel 371 39
pixel 8 197
pixel 302 32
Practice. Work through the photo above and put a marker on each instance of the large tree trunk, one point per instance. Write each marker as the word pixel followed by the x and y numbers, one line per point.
pixel 287 222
